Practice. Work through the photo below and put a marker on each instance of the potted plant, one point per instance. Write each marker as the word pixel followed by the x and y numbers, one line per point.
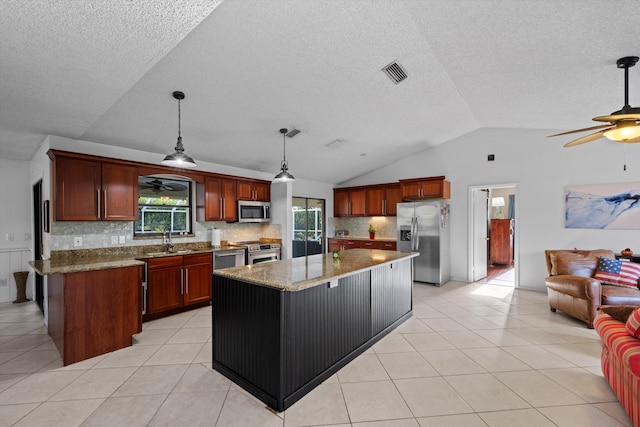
pixel 372 231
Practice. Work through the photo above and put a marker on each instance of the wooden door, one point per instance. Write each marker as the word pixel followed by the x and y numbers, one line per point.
pixel 501 241
pixel 119 192
pixel 245 190
pixel 229 200
pixel 212 199
pixel 197 280
pixel 357 202
pixel 77 189
pixel 375 198
pixel 165 288
pixel 340 202
pixel 262 191
pixel 393 196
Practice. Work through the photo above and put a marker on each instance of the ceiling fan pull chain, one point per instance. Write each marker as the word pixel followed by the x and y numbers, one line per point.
pixel 625 157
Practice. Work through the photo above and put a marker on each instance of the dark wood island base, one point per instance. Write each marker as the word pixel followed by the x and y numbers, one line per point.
pixel 279 343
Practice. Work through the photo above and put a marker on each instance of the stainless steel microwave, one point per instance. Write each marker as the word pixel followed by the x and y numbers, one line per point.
pixel 249 211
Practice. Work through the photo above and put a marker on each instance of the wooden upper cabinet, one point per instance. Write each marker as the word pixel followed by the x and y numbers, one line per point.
pixel 119 192
pixel 254 190
pixel 349 202
pixel 216 200
pixel 89 190
pixel 425 188
pixel 382 199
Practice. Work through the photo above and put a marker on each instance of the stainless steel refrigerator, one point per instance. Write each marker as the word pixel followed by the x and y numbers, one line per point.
pixel 424 227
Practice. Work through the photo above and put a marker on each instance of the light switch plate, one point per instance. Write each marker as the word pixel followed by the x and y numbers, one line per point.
pixel 122 240
pixel 114 240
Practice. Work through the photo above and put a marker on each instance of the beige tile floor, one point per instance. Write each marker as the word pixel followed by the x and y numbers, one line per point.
pixel 472 355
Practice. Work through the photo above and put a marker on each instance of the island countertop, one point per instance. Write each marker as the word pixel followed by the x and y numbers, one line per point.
pixel 305 272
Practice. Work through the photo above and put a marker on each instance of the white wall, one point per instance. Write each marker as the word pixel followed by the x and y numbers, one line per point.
pixel 541 168
pixel 15 215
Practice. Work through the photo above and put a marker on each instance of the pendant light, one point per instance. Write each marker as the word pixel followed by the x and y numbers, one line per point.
pixel 284 175
pixel 178 159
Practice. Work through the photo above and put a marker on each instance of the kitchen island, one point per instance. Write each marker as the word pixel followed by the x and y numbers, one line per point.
pixel 282 328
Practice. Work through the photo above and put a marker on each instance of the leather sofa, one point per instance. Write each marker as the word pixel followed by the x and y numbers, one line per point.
pixel 572 289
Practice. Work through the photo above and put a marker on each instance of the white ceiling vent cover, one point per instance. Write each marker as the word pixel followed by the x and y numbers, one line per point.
pixel 395 72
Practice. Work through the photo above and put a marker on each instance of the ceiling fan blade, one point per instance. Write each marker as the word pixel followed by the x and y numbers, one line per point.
pixel 585 139
pixel 617 117
pixel 581 130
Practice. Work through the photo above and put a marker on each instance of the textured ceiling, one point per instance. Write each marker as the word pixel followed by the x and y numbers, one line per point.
pixel 104 71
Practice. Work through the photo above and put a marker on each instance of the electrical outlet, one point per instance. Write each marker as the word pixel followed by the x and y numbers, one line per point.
pixel 3 282
pixel 27 237
pixel 122 239
pixel 114 240
pixel 77 241
pixel 10 237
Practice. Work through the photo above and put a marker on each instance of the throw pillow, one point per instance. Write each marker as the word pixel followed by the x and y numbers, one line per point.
pixel 575 263
pixel 619 312
pixel 617 272
pixel 633 324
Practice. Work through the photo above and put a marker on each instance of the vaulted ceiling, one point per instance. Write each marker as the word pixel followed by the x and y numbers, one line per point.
pixel 104 71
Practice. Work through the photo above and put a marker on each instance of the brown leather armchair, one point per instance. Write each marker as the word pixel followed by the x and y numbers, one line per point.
pixel 572 289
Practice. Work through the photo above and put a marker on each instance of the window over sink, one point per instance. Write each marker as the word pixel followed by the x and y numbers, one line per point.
pixel 164 204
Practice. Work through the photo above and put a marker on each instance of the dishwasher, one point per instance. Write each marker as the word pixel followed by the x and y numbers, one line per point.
pixel 228 258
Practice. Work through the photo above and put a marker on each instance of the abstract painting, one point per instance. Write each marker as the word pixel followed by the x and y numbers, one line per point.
pixel 605 206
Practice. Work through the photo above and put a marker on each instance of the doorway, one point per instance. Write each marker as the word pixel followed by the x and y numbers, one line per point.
pixel 493 248
pixel 38 240
pixel 308 226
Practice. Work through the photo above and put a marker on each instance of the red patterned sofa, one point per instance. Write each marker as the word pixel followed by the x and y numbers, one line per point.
pixel 621 360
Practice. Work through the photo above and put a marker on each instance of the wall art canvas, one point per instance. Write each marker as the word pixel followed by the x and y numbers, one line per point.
pixel 605 206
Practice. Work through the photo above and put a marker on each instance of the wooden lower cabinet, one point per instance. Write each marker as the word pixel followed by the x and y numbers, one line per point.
pixel 338 244
pixel 178 283
pixel 94 312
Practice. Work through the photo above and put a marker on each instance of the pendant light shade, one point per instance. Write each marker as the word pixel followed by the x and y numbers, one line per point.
pixel 178 159
pixel 284 175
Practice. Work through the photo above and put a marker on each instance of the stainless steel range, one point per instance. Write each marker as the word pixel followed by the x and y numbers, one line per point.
pixel 260 252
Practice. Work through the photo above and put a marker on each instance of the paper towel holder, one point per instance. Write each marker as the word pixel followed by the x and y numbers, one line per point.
pixel 215 238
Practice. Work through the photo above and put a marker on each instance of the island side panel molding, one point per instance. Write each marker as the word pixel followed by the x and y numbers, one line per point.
pixel 246 335
pixel 391 290
pixel 55 304
pixel 322 326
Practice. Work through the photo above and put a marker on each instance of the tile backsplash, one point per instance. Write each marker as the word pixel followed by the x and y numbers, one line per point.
pixel 99 234
pixel 359 227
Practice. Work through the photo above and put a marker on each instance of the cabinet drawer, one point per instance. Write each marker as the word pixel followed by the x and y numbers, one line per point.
pixel 168 261
pixel 369 245
pixel 198 259
pixel 388 246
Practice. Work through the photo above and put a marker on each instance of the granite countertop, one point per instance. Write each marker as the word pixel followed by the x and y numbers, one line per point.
pixel 305 272
pixel 96 259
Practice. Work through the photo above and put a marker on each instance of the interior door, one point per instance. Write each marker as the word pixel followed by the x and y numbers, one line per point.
pixel 308 226
pixel 480 204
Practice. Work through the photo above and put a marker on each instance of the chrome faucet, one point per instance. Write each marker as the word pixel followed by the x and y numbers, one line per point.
pixel 167 240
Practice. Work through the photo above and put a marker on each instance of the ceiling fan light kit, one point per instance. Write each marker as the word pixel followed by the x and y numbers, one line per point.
pixel 284 175
pixel 178 158
pixel 623 124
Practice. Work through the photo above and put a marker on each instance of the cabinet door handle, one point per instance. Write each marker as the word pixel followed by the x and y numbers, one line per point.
pixel 186 273
pixel 98 199
pixel 348 208
pixel 221 202
pixel 182 281
pixel 105 203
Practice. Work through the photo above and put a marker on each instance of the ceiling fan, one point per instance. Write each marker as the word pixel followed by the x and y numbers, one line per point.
pixel 157 186
pixel 623 125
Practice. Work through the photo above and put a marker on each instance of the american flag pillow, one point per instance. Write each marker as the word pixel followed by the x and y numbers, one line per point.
pixel 618 272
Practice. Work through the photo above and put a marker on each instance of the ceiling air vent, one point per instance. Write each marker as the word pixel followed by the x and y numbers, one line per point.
pixel 293 132
pixel 395 72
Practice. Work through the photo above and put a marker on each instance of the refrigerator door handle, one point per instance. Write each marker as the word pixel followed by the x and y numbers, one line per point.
pixel 416 234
